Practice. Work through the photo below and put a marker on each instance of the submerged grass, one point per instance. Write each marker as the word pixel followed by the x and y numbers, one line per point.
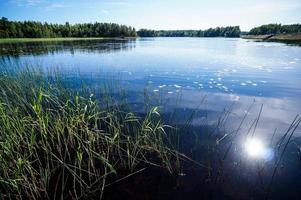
pixel 56 142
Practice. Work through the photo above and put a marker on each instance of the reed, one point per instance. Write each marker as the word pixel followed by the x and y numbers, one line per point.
pixel 58 142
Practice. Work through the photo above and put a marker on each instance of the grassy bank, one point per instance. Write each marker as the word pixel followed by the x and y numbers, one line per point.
pixel 15 40
pixel 59 143
pixel 276 37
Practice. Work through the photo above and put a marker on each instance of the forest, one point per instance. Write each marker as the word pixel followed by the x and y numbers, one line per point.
pixel 31 29
pixel 229 31
pixel 275 29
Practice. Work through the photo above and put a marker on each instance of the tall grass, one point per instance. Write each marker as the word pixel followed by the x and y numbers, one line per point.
pixel 58 143
pixel 63 139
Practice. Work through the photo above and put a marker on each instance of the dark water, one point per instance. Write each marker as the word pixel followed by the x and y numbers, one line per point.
pixel 203 74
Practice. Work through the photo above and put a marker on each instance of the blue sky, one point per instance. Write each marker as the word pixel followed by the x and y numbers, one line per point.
pixel 157 14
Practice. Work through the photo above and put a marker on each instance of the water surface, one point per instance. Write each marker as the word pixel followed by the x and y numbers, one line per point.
pixel 208 75
pixel 223 70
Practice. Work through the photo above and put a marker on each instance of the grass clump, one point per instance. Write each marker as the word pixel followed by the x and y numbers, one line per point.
pixel 57 142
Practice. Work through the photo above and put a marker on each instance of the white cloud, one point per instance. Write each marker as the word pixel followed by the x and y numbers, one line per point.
pixel 27 2
pixel 105 11
pixel 117 3
pixel 57 5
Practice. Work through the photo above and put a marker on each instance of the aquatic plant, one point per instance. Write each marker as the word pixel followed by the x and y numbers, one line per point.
pixel 56 142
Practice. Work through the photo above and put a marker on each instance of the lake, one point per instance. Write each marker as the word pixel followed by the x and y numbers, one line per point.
pixel 221 80
pixel 223 70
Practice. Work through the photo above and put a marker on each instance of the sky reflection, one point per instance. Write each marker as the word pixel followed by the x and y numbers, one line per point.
pixel 226 71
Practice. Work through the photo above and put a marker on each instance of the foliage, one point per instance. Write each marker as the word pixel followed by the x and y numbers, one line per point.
pixel 275 29
pixel 31 29
pixel 229 31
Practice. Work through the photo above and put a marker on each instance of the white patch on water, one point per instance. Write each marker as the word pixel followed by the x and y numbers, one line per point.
pixel 249 82
pixel 155 90
pixel 161 86
pixel 243 84
pixel 254 84
pixel 234 97
pixel 170 92
pixel 177 86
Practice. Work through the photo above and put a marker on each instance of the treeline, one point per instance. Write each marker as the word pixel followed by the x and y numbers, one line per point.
pixel 31 29
pixel 229 31
pixel 275 29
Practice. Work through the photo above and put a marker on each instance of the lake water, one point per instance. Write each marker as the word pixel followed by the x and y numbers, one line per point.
pixel 223 70
pixel 189 74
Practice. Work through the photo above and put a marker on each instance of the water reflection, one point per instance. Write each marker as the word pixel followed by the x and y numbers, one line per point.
pixel 221 81
pixel 55 47
pixel 255 148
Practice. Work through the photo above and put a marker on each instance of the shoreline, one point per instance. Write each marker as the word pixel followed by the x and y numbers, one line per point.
pixel 294 37
pixel 16 40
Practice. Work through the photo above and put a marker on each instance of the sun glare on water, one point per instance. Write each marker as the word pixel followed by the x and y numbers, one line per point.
pixel 255 148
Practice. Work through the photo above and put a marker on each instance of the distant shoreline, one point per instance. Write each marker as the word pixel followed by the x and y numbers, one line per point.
pixel 292 37
pixel 16 40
